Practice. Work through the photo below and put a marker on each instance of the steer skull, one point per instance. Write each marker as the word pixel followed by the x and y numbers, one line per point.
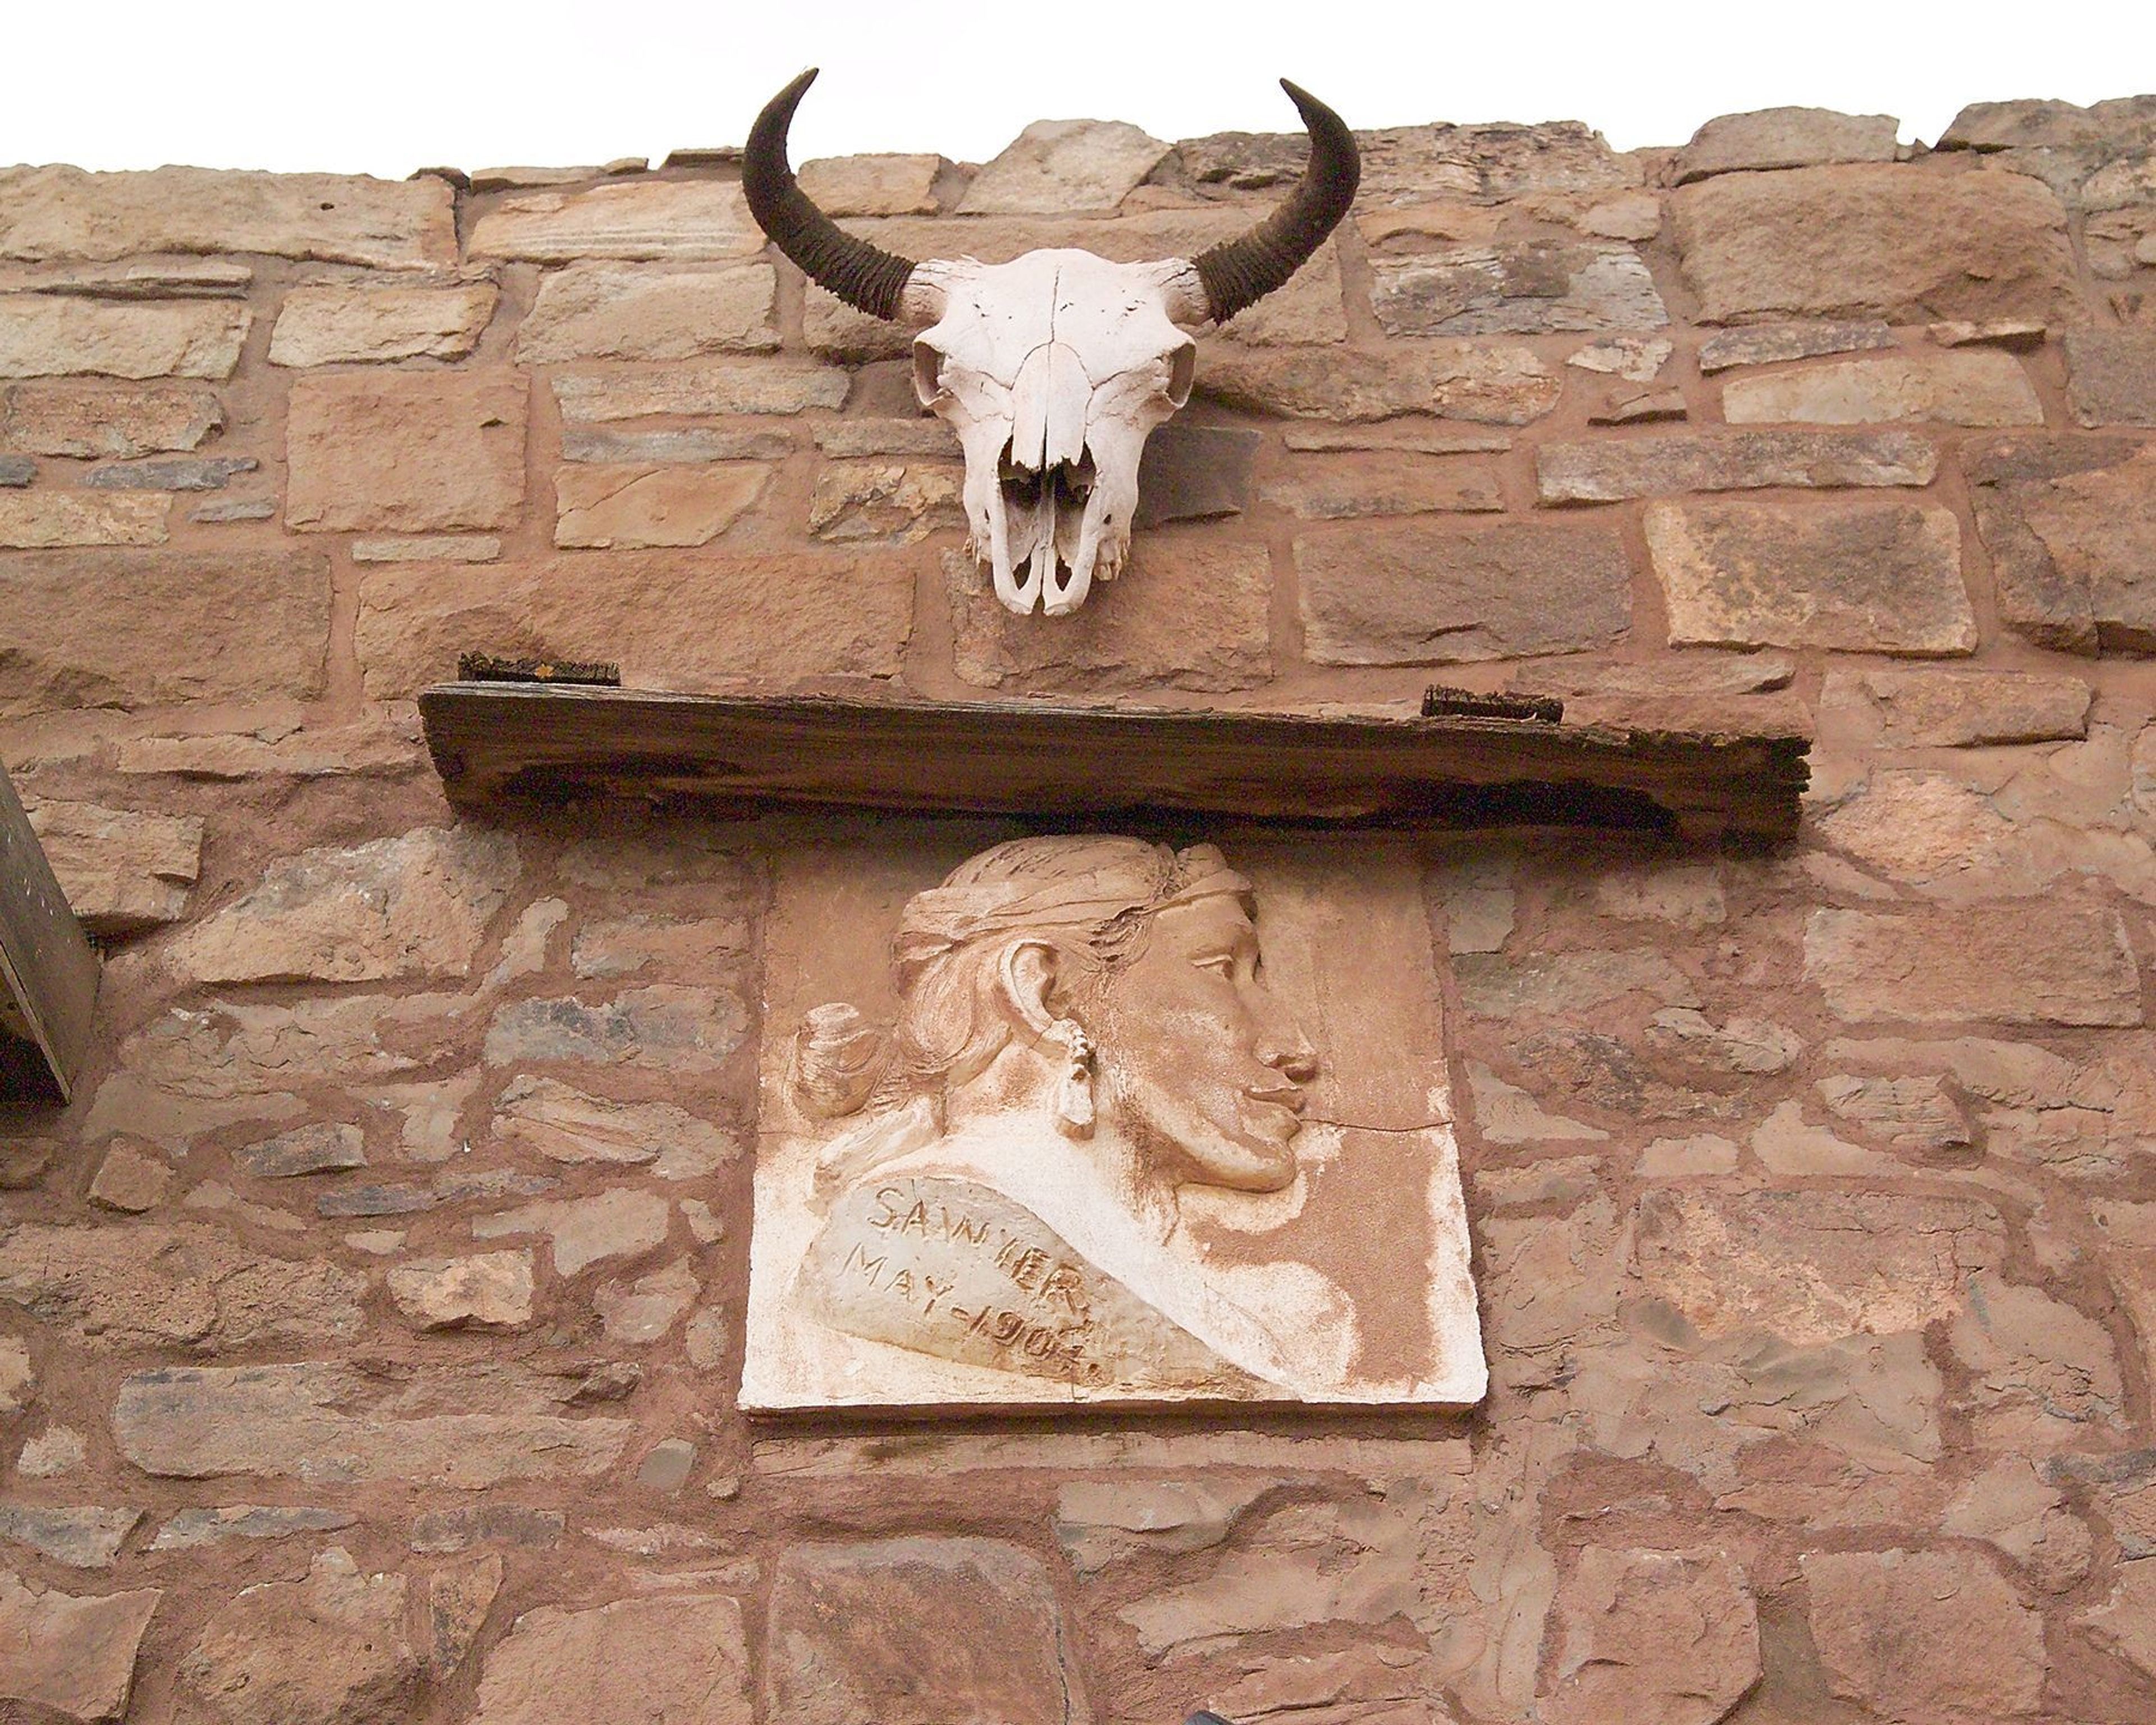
pixel 1055 366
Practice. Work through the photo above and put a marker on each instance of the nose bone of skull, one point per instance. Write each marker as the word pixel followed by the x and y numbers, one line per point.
pixel 1046 476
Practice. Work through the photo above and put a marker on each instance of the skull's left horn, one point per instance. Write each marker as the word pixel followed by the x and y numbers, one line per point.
pixel 1238 272
pixel 860 274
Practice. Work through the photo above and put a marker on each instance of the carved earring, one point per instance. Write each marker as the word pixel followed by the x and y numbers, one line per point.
pixel 1073 1093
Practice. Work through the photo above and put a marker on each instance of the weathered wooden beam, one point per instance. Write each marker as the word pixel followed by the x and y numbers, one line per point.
pixel 493 739
pixel 47 968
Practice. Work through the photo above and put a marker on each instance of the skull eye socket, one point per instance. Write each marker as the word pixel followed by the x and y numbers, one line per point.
pixel 1181 372
pixel 927 374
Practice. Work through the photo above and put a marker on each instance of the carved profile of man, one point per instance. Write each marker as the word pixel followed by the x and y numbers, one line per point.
pixel 1084 1033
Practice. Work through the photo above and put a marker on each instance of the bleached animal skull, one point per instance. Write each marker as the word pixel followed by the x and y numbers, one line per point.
pixel 1054 367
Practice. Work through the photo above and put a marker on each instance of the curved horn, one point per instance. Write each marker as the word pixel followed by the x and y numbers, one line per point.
pixel 860 274
pixel 1238 272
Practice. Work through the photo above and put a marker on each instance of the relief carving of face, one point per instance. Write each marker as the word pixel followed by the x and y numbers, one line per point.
pixel 1206 1069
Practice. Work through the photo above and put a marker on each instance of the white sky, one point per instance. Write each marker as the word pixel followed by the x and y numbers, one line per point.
pixel 386 86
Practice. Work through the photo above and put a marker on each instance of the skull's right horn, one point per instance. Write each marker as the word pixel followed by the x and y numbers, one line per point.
pixel 861 274
pixel 1238 272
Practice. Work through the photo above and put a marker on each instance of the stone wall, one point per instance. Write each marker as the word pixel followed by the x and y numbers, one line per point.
pixel 369 1325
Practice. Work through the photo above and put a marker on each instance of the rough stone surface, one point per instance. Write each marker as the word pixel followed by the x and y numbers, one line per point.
pixel 1500 383
pixel 190 1528
pixel 319 1421
pixel 2114 376
pixel 334 325
pixel 1873 240
pixel 873 185
pixel 413 906
pixel 2043 962
pixel 123 872
pixel 585 1231
pixel 635 508
pixel 1062 168
pixel 489 1291
pixel 47 213
pixel 614 312
pixel 122 1285
pixel 564 1125
pixel 691 444
pixel 118 420
pixel 676 1659
pixel 405 453
pixel 1976 386
pixel 68 1656
pixel 332 1649
pixel 1182 613
pixel 1868 576
pixel 896 503
pixel 1783 137
pixel 857 1632
pixel 1350 487
pixel 701 388
pixel 322 1147
pixel 2071 527
pixel 46 520
pixel 83 1539
pixel 675 219
pixel 42 337
pixel 1515 290
pixel 1663 1635
pixel 1770 343
pixel 707 623
pixel 210 473
pixel 1423 594
pixel 1943 708
pixel 1927 1638
pixel 131 1181
pixel 1604 472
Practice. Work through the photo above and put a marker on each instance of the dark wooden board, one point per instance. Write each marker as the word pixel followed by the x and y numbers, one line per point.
pixel 492 740
pixel 47 968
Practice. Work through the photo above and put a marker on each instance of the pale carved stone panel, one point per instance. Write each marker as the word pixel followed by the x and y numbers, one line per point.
pixel 1066 1119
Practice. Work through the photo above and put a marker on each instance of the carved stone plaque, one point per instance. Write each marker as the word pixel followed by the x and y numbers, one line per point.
pixel 1083 1119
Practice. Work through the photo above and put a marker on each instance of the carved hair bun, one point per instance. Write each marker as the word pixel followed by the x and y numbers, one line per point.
pixel 838 1056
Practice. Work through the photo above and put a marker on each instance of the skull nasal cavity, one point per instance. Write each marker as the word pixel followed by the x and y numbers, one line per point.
pixel 1049 401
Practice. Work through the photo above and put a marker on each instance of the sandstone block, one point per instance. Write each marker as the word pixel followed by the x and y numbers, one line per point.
pixel 488 1290
pixel 1813 1267
pixel 1188 614
pixel 405 452
pixel 564 1125
pixel 692 444
pixel 119 420
pixel 1102 1523
pixel 1942 709
pixel 18 1377
pixel 585 1231
pixel 64 213
pixel 1351 487
pixel 81 1538
pixel 189 1528
pixel 634 1314
pixel 334 325
pixel 69 1656
pixel 873 185
pixel 705 388
pixel 2043 1374
pixel 203 472
pixel 412 906
pixel 323 1147
pixel 1604 471
pixel 322 1421
pixel 2071 527
pixel 15 471
pixel 48 520
pixel 1422 593
pixel 123 872
pixel 920 435
pixel 1904 243
pixel 1062 168
pixel 1926 1638
pixel 1670 1635
pixel 1976 386
pixel 1915 1115
pixel 1771 343
pixel 427 548
pixel 130 1181
pixel 332 1649
pixel 137 1285
pixel 636 508
pixel 887 501
pixel 2036 962
pixel 1491 383
pixel 1877 578
pixel 1783 137
pixel 42 337
pixel 853 1634
pixel 676 219
pixel 619 312
pixel 769 620
pixel 1523 289
pixel 2114 376
pixel 672 1659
